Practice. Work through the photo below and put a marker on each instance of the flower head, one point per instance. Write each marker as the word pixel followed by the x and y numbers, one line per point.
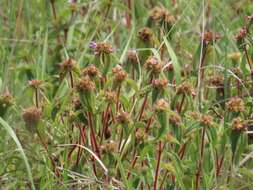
pixel 175 119
pixel 35 83
pixel 123 117
pixel 161 14
pixel 145 34
pixel 85 84
pixel 91 71
pixel 186 88
pixel 31 116
pixel 238 124
pixel 206 120
pixel 132 56
pixel 160 83
pixel 68 65
pixel 242 33
pixel 152 64
pixel 217 81
pixel 161 105
pixel 110 96
pixel 141 135
pixel 101 48
pixel 235 104
pixel 210 37
pixel 119 74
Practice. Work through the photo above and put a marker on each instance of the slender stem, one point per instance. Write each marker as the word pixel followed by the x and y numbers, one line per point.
pixel 71 79
pixel 201 158
pixel 158 165
pixel 92 134
pixel 117 102
pixel 247 57
pixel 37 97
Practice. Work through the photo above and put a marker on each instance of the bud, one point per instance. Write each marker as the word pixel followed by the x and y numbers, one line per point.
pixel 175 119
pixel 110 96
pixel 209 37
pixel 31 117
pixel 235 104
pixel 242 34
pixel 161 105
pixel 132 56
pixel 109 147
pixel 141 135
pixel 217 81
pixel 160 84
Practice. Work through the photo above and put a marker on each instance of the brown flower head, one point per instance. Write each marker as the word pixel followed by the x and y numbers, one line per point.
pixel 206 120
pixel 152 64
pixel 35 83
pixel 161 105
pixel 194 115
pixel 109 147
pixel 160 83
pixel 237 71
pixel 6 100
pixel 101 48
pixel 250 18
pixel 110 96
pixel 210 37
pixel 145 34
pixel 175 119
pixel 91 71
pixel 132 56
pixel 235 104
pixel 161 14
pixel 217 81
pixel 123 117
pixel 85 84
pixel 185 88
pixel 141 135
pixel 68 65
pixel 31 116
pixel 238 124
pixel 119 74
pixel 242 33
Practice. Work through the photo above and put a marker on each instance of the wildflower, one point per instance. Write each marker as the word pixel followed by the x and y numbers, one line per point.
pixel 6 100
pixel 210 37
pixel 91 71
pixel 161 105
pixel 119 74
pixel 109 147
pixel 85 84
pixel 217 81
pixel 235 104
pixel 194 115
pixel 31 116
pixel 35 83
pixel 101 48
pixel 237 71
pixel 110 96
pixel 141 135
pixel 236 56
pixel 152 64
pixel 242 34
pixel 161 14
pixel 175 119
pixel 123 117
pixel 145 34
pixel 238 124
pixel 169 67
pixel 67 65
pixel 185 88
pixel 206 120
pixel 132 56
pixel 250 18
pixel 160 83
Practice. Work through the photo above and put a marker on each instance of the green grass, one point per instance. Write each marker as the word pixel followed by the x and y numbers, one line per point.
pixel 161 107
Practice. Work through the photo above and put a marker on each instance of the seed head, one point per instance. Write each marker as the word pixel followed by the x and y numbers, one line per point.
pixel 235 104
pixel 238 124
pixel 145 34
pixel 91 71
pixel 68 65
pixel 161 105
pixel 119 74
pixel 175 119
pixel 160 83
pixel 123 117
pixel 101 48
pixel 132 56
pixel 217 81
pixel 237 71
pixel 194 115
pixel 31 116
pixel 161 14
pixel 110 96
pixel 152 64
pixel 35 83
pixel 109 147
pixel 206 120
pixel 242 33
pixel 141 135
pixel 186 88
pixel 210 37
pixel 85 84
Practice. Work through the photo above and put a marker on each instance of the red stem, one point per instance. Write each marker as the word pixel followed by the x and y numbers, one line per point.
pixel 158 164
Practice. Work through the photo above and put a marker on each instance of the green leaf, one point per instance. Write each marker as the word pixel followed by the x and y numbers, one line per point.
pixel 20 148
